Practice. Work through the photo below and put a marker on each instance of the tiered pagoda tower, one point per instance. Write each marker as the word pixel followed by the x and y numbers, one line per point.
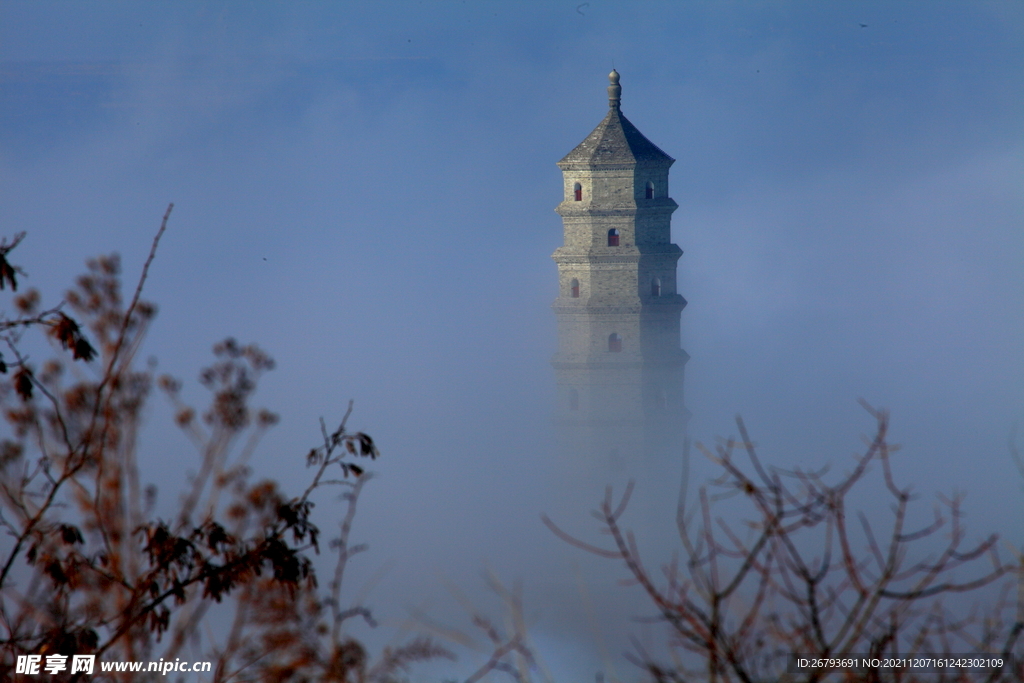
pixel 619 365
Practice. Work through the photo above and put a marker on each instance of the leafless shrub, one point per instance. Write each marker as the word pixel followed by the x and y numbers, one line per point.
pixel 796 580
pixel 506 642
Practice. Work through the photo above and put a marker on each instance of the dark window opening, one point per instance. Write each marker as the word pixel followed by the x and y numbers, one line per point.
pixel 614 342
pixel 613 238
pixel 650 190
pixel 656 287
pixel 577 190
pixel 574 289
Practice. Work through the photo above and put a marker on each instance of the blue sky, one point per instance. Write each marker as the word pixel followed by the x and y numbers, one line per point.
pixel 366 190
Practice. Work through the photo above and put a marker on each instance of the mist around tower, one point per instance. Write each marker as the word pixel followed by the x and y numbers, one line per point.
pixel 357 425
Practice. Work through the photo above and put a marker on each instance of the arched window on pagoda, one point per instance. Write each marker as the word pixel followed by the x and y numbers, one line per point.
pixel 577 191
pixel 656 287
pixel 649 192
pixel 613 237
pixel 574 289
pixel 614 342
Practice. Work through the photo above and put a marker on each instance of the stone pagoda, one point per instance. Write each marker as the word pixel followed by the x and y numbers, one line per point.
pixel 619 366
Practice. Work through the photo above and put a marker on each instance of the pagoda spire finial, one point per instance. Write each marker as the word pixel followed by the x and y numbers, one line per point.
pixel 614 90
